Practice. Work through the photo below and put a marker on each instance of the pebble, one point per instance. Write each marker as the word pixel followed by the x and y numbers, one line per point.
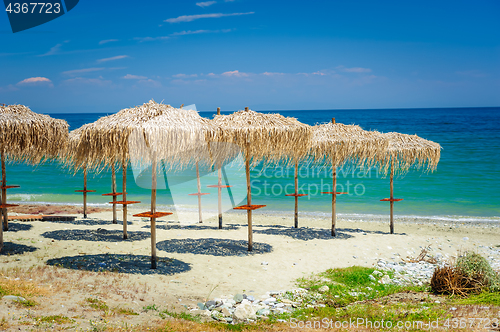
pixel 324 289
pixel 14 298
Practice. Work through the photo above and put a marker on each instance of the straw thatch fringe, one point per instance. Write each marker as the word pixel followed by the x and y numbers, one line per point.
pixel 405 150
pixel 179 137
pixel 340 143
pixel 269 137
pixel 29 136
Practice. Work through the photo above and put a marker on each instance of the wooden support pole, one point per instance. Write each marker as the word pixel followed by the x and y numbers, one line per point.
pixel 219 189
pixel 85 192
pixel 199 192
pixel 113 190
pixel 296 178
pixel 153 211
pixel 333 120
pixel 219 195
pixel 124 195
pixel 392 196
pixel 334 198
pixel 4 194
pixel 249 197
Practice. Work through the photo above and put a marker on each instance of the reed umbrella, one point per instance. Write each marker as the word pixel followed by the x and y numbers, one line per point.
pixel 263 137
pixel 30 137
pixel 404 151
pixel 176 137
pixel 337 143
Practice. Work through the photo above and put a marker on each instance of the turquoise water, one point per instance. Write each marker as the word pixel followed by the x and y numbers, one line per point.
pixel 465 184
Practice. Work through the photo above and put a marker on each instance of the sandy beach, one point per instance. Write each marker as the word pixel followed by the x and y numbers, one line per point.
pixel 200 262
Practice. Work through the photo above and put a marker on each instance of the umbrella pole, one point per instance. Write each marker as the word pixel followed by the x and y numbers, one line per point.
pixel 85 192
pixel 4 195
pixel 124 195
pixel 296 193
pixel 199 191
pixel 113 189
pixel 153 211
pixel 219 193
pixel 249 198
pixel 334 198
pixel 392 197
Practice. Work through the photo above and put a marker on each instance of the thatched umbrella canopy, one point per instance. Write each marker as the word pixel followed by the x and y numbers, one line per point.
pixel 404 151
pixel 337 143
pixel 30 137
pixel 268 137
pixel 176 137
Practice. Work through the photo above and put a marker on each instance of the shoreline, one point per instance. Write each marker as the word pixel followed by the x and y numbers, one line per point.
pixel 77 208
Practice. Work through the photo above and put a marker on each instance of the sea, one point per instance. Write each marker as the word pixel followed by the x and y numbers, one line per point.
pixel 465 186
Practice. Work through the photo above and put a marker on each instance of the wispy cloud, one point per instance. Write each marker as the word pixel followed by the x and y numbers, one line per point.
pixel 354 69
pixel 102 42
pixel 181 33
pixel 272 74
pixel 88 81
pixel 145 39
pixel 35 80
pixel 184 75
pixel 54 50
pixel 81 71
pixel 134 77
pixel 190 18
pixel 205 3
pixel 471 73
pixel 118 57
pixel 189 32
pixel 234 73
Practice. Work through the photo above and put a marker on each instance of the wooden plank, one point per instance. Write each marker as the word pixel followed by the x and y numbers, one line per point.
pixel 247 207
pixel 153 215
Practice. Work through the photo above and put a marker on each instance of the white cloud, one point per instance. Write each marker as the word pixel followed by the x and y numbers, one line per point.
pixel 190 18
pixel 134 77
pixel 354 69
pixel 88 81
pixel 35 81
pixel 81 71
pixel 189 32
pixel 184 75
pixel 53 50
pixel 272 74
pixel 102 42
pixel 471 73
pixel 205 3
pixel 234 73
pixel 144 39
pixel 320 73
pixel 118 57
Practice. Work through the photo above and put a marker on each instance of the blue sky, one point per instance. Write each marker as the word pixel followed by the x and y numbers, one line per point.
pixel 269 55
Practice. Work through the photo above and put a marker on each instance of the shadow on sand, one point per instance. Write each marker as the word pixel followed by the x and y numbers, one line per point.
pixel 88 222
pixel 194 227
pixel 10 248
pixel 214 247
pixel 95 235
pixel 17 227
pixel 303 233
pixel 133 264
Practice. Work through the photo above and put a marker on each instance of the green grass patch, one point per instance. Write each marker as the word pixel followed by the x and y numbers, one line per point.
pixel 351 284
pixel 58 319
pixel 180 315
pixel 482 298
pixel 125 311
pixel 97 304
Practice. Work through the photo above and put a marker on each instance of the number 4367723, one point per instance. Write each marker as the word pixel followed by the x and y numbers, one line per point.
pixel 34 7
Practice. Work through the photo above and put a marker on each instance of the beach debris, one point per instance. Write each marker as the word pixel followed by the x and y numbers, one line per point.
pixel 14 298
pixel 323 289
